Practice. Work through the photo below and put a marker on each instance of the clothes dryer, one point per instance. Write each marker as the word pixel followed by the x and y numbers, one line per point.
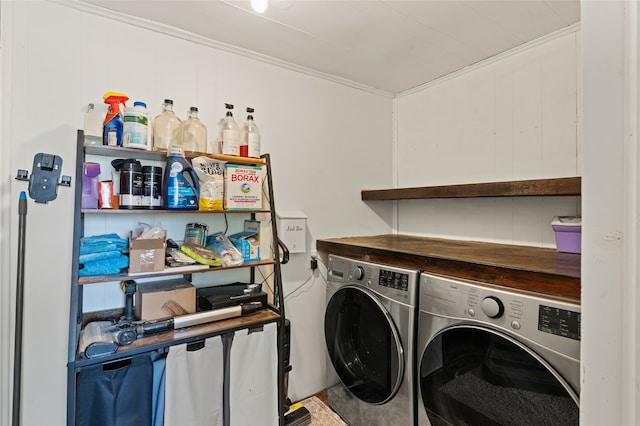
pixel 492 356
pixel 370 326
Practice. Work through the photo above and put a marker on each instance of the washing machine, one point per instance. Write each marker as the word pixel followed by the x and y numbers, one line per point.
pixel 491 356
pixel 370 329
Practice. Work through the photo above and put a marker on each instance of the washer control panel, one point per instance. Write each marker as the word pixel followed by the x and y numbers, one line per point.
pixel 553 323
pixel 397 284
pixel 392 279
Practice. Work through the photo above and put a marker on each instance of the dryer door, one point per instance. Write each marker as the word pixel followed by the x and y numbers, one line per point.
pixel 363 344
pixel 475 376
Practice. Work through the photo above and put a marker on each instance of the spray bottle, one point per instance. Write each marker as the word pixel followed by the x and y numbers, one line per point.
pixel 113 124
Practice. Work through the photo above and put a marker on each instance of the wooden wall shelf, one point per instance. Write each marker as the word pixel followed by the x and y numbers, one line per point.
pixel 518 188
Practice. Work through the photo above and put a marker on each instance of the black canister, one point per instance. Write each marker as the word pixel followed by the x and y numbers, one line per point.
pixel 131 185
pixel 152 187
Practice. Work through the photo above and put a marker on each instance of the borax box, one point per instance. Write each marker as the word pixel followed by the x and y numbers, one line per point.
pixel 243 187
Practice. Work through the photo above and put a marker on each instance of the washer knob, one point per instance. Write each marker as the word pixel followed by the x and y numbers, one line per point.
pixel 492 307
pixel 358 273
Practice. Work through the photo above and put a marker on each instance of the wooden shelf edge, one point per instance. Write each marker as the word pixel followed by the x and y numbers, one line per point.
pixel 111 151
pixel 168 211
pixel 185 335
pixel 569 186
pixel 533 269
pixel 95 279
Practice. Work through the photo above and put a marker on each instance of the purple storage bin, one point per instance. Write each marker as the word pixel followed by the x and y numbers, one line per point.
pixel 568 231
pixel 90 186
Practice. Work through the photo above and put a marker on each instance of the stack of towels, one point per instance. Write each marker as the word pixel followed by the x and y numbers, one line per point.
pixel 102 255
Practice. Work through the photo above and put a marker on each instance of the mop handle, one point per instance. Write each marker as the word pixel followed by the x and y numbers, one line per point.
pixel 17 359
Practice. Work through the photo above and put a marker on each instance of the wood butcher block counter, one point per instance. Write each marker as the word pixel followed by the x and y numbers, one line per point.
pixel 530 269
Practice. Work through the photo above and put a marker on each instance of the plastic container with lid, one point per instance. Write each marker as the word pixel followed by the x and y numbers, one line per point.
pixel 193 134
pixel 180 189
pixel 136 127
pixel 568 231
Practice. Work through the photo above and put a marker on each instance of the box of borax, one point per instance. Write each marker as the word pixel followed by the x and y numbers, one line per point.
pixel 242 187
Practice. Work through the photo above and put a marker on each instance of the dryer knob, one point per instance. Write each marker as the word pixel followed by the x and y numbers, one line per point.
pixel 358 273
pixel 492 307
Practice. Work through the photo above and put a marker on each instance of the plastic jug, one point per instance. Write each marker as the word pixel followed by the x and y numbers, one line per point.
pixel 180 188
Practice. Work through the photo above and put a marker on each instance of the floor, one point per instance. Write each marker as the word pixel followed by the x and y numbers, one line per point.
pixel 321 413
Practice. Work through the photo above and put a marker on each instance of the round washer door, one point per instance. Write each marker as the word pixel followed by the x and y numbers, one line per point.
pixel 363 344
pixel 475 376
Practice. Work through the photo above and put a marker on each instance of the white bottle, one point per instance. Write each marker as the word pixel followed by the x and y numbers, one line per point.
pixel 230 134
pixel 135 131
pixel 250 137
pixel 166 128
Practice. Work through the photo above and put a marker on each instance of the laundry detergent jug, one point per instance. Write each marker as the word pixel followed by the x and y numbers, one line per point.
pixel 180 184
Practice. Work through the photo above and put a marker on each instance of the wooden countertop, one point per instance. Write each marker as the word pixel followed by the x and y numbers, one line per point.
pixel 530 269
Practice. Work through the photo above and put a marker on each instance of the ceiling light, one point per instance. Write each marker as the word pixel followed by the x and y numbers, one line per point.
pixel 259 5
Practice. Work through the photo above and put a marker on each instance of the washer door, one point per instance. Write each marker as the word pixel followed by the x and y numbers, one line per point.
pixel 475 376
pixel 363 344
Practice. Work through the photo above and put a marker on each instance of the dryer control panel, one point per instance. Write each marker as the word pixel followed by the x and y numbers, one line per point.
pixel 549 322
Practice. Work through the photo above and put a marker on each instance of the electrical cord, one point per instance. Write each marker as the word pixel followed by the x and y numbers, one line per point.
pixel 305 282
pixel 299 287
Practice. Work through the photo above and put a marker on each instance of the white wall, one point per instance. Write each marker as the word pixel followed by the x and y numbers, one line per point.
pixel 315 130
pixel 610 276
pixel 513 117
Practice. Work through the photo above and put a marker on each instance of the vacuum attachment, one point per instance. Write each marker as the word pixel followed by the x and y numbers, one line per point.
pixel 96 339
pixel 299 416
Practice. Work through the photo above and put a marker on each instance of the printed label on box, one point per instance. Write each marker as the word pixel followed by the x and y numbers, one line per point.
pixel 243 187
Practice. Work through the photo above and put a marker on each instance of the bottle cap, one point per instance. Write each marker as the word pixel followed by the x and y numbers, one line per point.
pixel 175 150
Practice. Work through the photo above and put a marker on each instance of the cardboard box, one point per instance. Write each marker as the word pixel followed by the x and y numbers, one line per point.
pixel 248 243
pixel 146 255
pixel 165 299
pixel 242 187
pixel 292 230
pixel 568 231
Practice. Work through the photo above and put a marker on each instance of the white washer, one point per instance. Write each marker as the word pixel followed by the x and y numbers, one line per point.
pixel 370 326
pixel 491 356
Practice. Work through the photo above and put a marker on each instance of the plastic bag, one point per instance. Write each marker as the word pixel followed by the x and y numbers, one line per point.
pixel 224 249
pixel 210 175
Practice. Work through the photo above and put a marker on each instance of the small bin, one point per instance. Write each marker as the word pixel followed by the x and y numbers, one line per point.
pixel 248 244
pixel 165 299
pixel 146 255
pixel 568 231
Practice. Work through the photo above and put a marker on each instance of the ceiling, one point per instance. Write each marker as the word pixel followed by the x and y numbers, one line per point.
pixel 388 45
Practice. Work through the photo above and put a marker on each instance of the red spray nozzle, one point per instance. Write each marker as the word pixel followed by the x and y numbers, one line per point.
pixel 114 100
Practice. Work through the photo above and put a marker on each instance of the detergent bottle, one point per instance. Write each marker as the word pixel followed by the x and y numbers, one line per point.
pixel 113 124
pixel 180 184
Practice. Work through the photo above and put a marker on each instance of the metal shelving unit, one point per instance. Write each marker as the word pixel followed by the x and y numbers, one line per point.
pixel 273 313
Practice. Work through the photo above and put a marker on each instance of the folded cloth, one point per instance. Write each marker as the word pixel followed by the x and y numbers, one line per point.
pixel 100 243
pixel 92 257
pixel 110 266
